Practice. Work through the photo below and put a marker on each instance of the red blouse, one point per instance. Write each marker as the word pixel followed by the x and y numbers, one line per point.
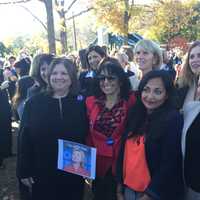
pixel 106 124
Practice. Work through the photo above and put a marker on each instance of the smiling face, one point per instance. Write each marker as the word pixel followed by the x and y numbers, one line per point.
pixel 77 156
pixel 145 59
pixel 153 94
pixel 60 80
pixel 194 60
pixel 109 83
pixel 94 59
pixel 43 72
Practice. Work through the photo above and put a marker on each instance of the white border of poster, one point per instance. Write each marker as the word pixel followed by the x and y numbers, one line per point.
pixel 76 158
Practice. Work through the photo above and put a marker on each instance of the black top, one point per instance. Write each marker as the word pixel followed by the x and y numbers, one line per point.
pixel 163 153
pixel 192 149
pixel 44 121
pixel 87 82
pixel 192 161
pixel 5 124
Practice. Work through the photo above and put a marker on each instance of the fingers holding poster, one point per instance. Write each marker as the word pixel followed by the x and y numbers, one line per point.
pixel 76 158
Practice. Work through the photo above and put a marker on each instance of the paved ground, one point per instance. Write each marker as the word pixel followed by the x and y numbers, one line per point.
pixel 8 181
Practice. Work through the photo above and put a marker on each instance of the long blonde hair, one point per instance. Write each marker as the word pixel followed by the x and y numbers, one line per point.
pixel 187 76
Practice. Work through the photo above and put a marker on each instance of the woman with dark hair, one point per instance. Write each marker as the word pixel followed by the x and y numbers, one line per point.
pixel 189 101
pixel 107 112
pixel 22 86
pixel 57 113
pixel 38 71
pixel 22 67
pixel 149 164
pixel 94 55
pixel 18 102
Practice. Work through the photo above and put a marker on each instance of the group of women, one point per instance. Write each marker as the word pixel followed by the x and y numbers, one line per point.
pixel 144 143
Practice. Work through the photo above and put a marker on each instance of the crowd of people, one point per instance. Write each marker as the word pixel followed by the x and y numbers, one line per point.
pixel 139 107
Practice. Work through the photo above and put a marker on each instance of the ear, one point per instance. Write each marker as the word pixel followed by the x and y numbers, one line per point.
pixel 155 59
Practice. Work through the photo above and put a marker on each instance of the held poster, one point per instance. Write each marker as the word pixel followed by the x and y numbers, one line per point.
pixel 77 158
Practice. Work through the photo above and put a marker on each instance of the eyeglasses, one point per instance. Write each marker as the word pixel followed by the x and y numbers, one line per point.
pixel 109 78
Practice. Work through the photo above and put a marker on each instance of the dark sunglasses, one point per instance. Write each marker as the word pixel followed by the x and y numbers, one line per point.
pixel 109 78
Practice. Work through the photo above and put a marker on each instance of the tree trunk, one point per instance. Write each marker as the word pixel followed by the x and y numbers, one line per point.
pixel 50 26
pixel 126 20
pixel 63 32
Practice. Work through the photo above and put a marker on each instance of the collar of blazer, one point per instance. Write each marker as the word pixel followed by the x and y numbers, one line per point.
pixel 190 111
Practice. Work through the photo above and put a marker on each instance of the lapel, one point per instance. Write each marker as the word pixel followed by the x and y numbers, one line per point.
pixel 190 111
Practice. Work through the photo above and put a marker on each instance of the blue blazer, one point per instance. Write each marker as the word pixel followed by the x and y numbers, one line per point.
pixel 163 154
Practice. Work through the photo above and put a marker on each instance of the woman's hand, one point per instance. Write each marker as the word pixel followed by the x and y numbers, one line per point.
pixel 4 85
pixel 27 181
pixel 145 197
pixel 120 196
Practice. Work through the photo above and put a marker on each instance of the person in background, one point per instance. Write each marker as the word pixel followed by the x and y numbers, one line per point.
pixel 150 162
pixel 148 56
pixel 22 67
pixel 188 99
pixel 38 72
pixel 11 76
pixel 5 128
pixel 123 60
pixel 94 55
pixel 107 112
pixel 168 64
pixel 1 71
pixel 12 59
pixel 22 86
pixel 11 80
pixel 56 113
pixel 128 50
pixel 177 60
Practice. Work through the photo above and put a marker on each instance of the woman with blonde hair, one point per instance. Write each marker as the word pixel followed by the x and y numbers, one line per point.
pixel 189 101
pixel 148 56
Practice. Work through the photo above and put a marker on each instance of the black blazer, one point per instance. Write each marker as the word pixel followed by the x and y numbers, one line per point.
pixel 163 154
pixel 43 122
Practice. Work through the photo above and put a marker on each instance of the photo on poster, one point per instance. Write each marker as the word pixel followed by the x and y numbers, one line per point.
pixel 76 158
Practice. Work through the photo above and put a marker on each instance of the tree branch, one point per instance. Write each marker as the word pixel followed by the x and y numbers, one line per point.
pixel 14 2
pixel 35 17
pixel 80 13
pixel 70 6
pixel 40 21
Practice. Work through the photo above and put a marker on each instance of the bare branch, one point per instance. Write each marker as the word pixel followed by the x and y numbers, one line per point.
pixel 80 13
pixel 14 2
pixel 70 6
pixel 35 17
pixel 161 2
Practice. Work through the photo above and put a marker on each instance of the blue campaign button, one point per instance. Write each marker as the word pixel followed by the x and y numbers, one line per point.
pixel 80 97
pixel 109 141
